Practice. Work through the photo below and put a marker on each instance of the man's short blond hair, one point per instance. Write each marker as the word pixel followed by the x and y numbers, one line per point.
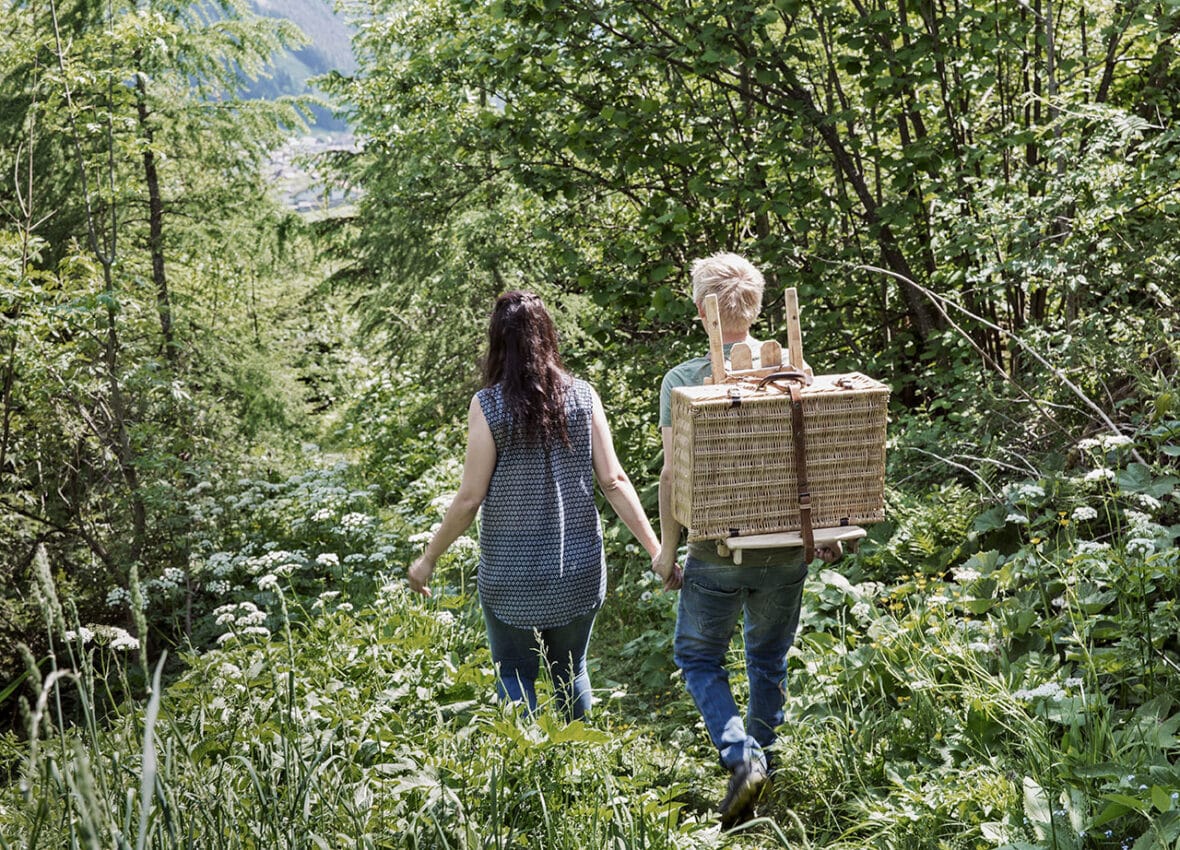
pixel 737 284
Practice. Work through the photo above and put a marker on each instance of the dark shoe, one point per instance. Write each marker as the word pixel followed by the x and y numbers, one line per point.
pixel 745 786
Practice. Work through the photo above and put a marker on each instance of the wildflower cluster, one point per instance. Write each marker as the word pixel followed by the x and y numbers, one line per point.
pixel 242 619
pixel 111 637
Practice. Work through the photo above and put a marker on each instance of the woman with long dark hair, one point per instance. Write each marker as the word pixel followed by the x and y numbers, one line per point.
pixel 537 440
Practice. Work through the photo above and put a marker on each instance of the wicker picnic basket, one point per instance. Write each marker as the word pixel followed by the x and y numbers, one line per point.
pixel 735 464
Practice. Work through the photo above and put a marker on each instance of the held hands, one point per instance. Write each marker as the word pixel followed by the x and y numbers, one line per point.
pixel 668 570
pixel 419 575
pixel 831 552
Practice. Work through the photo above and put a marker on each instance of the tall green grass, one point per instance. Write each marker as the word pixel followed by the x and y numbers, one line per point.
pixel 372 728
pixel 985 673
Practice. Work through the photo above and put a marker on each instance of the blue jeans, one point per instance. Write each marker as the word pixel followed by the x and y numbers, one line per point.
pixel 517 654
pixel 711 600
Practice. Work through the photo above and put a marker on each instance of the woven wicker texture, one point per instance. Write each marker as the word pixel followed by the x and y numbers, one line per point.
pixel 734 465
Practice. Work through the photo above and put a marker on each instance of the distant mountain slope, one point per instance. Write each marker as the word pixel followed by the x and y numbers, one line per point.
pixel 329 49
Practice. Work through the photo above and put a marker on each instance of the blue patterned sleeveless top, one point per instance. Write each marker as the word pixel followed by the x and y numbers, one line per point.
pixel 541 560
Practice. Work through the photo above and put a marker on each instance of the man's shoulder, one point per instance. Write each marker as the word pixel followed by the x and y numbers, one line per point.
pixel 689 373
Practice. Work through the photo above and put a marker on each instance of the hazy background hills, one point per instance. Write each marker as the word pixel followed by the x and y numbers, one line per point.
pixel 329 48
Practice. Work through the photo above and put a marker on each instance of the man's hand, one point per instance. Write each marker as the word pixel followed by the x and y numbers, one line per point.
pixel 419 575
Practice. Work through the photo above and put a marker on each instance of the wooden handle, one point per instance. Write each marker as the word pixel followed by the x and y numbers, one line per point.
pixel 713 328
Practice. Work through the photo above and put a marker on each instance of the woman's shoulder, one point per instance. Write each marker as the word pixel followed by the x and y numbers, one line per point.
pixel 488 399
pixel 582 388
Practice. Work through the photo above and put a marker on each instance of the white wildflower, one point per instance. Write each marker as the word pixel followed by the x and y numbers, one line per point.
pixel 328 559
pixel 1114 441
pixel 1085 512
pixel 344 607
pixel 1017 519
pixel 1031 491
pixel 980 646
pixel 645 596
pixel 421 537
pixel 1140 546
pixel 1141 525
pixel 221 564
pixel 355 521
pixel 83 635
pixel 121 640
pixel 1148 502
pixel 1101 474
pixel 1088 443
pixel 862 611
pixel 1049 690
pixel 1025 491
pixel 248 617
pixel 464 546
pixel 1073 682
pixel 268 582
pixel 217 587
pixel 322 515
pixel 117 597
pixel 1091 547
pixel 964 575
pixel 329 595
pixel 445 618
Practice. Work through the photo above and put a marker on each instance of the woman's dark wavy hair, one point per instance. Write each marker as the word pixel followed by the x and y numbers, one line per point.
pixel 523 359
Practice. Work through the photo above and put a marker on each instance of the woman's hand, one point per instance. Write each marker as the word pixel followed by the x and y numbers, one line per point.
pixel 419 575
pixel 668 570
pixel 831 552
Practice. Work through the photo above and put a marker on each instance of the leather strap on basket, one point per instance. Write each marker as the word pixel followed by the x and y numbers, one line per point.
pixel 781 376
pixel 798 437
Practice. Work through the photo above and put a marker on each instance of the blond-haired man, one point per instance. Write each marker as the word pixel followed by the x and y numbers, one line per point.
pixel 767 588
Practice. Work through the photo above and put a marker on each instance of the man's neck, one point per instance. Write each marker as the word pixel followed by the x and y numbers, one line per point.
pixel 728 337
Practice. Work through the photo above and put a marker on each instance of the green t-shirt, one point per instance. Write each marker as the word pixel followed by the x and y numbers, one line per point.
pixel 692 373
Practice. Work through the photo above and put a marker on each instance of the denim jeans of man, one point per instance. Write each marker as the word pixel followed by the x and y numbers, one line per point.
pixel 711 601
pixel 517 654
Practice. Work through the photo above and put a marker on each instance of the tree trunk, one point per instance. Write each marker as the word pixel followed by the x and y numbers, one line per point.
pixel 155 223
pixel 921 314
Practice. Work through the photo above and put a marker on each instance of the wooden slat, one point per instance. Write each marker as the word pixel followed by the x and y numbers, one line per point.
pixel 792 539
pixel 794 337
pixel 713 328
pixel 740 357
pixel 772 354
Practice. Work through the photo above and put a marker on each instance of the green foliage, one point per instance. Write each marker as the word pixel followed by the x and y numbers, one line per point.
pixel 369 727
pixel 991 669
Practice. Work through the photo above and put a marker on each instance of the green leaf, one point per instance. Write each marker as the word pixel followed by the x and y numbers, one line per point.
pixel 1161 798
pixel 1036 805
pixel 1113 811
pixel 1132 803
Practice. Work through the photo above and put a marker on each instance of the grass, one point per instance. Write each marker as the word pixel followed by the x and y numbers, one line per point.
pixel 941 696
